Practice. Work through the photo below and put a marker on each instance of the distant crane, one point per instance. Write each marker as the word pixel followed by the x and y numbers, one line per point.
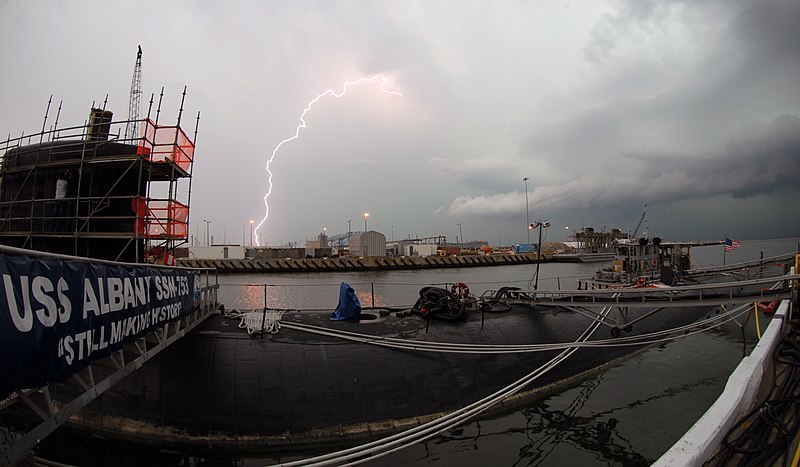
pixel 132 130
pixel 639 225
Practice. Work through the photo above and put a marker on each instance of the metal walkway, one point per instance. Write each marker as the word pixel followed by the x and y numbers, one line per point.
pixel 723 293
pixel 89 383
pixel 652 300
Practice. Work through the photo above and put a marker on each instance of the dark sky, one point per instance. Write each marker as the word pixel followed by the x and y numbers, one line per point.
pixel 691 107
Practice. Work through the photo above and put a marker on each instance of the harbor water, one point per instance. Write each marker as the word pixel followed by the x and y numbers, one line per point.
pixel 628 414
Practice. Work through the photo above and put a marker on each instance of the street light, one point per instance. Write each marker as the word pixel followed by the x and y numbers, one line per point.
pixel 538 224
pixel 527 215
pixel 366 214
pixel 251 231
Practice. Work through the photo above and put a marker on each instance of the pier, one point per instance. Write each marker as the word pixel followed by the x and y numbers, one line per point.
pixel 342 264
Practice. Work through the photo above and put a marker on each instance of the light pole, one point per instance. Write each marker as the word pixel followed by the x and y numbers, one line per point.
pixel 208 228
pixel 539 224
pixel 251 231
pixel 460 233
pixel 366 214
pixel 527 215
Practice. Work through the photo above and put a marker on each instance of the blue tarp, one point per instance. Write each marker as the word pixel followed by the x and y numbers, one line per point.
pixel 349 308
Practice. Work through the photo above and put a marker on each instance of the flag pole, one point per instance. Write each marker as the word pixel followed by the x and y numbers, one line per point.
pixel 724 250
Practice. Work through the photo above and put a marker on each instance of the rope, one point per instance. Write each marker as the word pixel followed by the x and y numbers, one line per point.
pixel 758 328
pixel 253 322
pixel 394 443
pixel 447 347
pixel 258 321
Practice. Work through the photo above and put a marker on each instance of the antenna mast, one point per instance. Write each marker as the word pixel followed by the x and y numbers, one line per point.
pixel 131 130
pixel 639 225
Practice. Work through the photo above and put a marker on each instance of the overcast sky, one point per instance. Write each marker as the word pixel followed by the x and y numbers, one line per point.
pixel 692 107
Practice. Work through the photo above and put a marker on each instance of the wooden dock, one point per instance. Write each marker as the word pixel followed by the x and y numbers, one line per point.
pixel 253 265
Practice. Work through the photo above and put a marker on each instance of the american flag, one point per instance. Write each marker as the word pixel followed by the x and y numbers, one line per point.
pixel 731 245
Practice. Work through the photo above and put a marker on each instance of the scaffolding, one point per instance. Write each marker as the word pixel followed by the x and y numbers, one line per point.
pixel 92 191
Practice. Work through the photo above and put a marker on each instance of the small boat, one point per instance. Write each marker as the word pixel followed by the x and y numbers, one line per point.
pixel 643 263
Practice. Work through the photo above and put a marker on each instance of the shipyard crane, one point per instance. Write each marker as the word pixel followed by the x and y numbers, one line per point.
pixel 639 225
pixel 131 130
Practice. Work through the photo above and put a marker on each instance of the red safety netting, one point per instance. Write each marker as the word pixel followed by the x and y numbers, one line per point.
pixel 162 143
pixel 162 219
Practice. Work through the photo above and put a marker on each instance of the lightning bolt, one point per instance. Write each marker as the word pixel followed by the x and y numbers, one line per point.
pixel 329 92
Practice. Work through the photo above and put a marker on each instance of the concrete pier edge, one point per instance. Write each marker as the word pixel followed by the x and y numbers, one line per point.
pixel 261 265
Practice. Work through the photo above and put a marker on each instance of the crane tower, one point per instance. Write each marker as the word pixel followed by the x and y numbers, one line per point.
pixel 131 130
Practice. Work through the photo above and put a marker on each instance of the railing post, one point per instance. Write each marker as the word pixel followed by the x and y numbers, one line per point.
pixel 264 314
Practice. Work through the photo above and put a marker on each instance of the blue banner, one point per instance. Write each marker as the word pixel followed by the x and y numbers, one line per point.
pixel 57 315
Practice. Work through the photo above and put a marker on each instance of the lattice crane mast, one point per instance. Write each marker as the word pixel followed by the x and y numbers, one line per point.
pixel 132 129
pixel 639 225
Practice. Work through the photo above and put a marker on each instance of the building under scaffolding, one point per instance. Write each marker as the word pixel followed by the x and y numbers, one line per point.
pixel 88 191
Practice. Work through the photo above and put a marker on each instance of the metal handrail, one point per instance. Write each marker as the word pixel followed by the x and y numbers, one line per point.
pixel 681 295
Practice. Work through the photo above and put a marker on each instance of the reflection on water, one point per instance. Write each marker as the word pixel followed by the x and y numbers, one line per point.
pixel 320 291
pixel 628 414
pixel 547 428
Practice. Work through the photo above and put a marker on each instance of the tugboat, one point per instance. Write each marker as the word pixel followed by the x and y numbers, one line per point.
pixel 644 263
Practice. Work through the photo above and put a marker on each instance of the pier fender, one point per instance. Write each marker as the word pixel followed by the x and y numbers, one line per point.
pixel 768 308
